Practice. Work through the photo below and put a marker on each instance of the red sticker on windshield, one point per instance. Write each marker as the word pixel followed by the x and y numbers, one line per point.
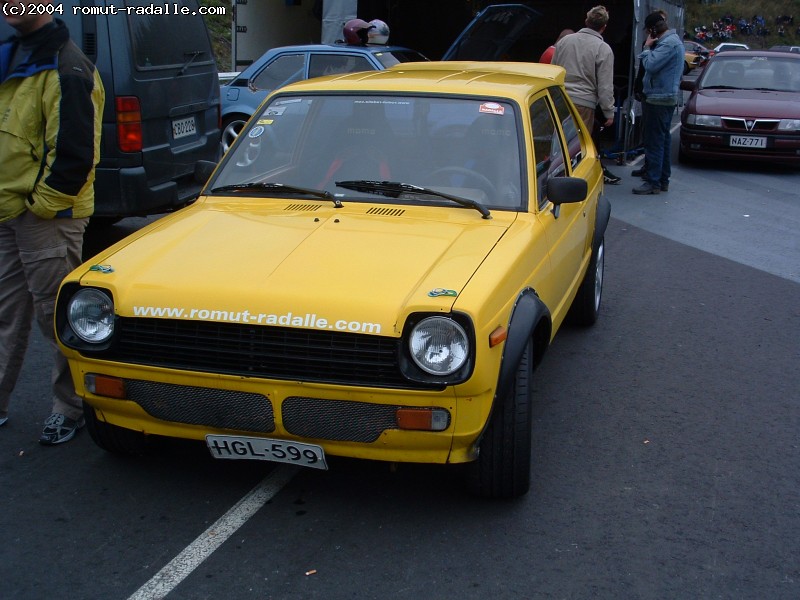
pixel 493 108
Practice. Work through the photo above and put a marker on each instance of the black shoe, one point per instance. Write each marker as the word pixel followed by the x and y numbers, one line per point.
pixel 646 188
pixel 58 429
pixel 664 186
pixel 639 172
pixel 609 177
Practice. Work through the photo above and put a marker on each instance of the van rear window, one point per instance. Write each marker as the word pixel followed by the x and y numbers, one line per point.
pixel 168 40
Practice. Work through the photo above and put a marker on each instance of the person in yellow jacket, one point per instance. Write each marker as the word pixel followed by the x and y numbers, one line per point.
pixel 51 104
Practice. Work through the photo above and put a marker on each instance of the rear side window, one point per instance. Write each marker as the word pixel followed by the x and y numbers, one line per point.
pixel 168 40
pixel 282 71
pixel 331 64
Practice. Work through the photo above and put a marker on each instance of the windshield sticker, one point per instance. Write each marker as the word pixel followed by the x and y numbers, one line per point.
pixel 288 319
pixel 492 108
pixel 275 111
pixel 436 292
pixel 256 131
pixel 264 122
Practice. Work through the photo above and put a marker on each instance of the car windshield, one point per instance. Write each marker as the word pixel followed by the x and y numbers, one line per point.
pixel 753 73
pixel 469 148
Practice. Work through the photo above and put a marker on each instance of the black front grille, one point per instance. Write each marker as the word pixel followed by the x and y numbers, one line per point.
pixel 224 409
pixel 284 353
pixel 337 419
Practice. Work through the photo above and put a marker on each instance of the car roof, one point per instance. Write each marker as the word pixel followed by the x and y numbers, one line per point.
pixel 512 80
pixel 755 53
pixel 335 48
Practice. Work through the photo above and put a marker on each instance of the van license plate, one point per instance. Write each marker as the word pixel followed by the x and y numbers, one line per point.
pixel 183 127
pixel 745 141
pixel 238 447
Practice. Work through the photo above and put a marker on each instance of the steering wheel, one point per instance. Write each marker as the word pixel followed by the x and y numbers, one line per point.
pixel 483 182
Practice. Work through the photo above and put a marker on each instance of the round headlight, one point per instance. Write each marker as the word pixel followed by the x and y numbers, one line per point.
pixel 91 315
pixel 439 345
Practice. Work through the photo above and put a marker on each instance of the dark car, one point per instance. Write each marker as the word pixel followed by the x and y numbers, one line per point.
pixel 286 64
pixel 744 106
pixel 161 114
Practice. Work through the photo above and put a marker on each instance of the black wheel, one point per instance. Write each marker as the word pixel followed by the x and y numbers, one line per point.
pixel 503 466
pixel 111 438
pixel 586 307
pixel 483 182
pixel 682 157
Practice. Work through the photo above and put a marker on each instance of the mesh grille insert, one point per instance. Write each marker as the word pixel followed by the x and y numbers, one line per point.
pixel 223 409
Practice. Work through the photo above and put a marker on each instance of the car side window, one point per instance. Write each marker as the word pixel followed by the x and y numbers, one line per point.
pixel 547 150
pixel 331 64
pixel 574 142
pixel 284 70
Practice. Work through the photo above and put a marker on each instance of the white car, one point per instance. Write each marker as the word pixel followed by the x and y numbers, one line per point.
pixel 730 46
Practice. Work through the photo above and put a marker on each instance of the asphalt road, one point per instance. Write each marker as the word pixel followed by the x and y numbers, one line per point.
pixel 666 461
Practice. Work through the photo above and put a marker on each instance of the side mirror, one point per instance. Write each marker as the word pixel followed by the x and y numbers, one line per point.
pixel 203 170
pixel 688 85
pixel 563 190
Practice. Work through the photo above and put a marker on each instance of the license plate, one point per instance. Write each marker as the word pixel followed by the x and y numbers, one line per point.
pixel 746 141
pixel 239 447
pixel 183 127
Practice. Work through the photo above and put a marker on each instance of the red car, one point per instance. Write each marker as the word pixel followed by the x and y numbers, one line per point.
pixel 744 106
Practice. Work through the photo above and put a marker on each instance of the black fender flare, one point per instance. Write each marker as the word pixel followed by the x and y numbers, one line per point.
pixel 528 312
pixel 601 220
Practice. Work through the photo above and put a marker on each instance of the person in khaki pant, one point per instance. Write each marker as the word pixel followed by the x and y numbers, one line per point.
pixel 589 63
pixel 51 102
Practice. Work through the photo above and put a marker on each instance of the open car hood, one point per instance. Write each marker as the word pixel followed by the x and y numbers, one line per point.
pixel 492 32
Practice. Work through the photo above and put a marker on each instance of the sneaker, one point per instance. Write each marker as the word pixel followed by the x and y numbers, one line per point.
pixel 665 186
pixel 59 429
pixel 646 188
pixel 639 172
pixel 609 177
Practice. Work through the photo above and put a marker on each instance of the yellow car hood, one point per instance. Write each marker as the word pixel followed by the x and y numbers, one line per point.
pixel 303 266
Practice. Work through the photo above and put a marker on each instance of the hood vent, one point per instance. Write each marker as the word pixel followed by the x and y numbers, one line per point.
pixel 302 207
pixel 386 212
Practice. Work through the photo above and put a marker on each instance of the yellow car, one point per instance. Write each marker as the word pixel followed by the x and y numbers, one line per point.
pixel 374 270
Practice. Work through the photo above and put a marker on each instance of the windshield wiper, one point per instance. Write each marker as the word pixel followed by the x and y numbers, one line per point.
pixel 395 189
pixel 277 188
pixel 194 54
pixel 719 87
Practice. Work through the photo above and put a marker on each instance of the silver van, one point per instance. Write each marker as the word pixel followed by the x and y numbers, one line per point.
pixel 162 101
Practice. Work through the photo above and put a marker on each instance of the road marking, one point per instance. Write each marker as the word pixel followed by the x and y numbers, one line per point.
pixel 163 582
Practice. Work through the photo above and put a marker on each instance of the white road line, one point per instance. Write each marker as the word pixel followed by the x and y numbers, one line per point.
pixel 212 538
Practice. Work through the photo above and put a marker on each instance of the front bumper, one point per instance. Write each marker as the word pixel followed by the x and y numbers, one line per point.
pixel 710 144
pixel 345 421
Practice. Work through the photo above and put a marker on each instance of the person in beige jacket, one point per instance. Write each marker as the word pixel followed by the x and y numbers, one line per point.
pixel 589 63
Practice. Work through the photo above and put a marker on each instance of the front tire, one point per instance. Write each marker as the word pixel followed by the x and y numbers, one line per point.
pixel 231 128
pixel 111 438
pixel 503 466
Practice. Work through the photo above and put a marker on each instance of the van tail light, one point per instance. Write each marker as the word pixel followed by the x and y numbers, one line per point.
pixel 129 123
